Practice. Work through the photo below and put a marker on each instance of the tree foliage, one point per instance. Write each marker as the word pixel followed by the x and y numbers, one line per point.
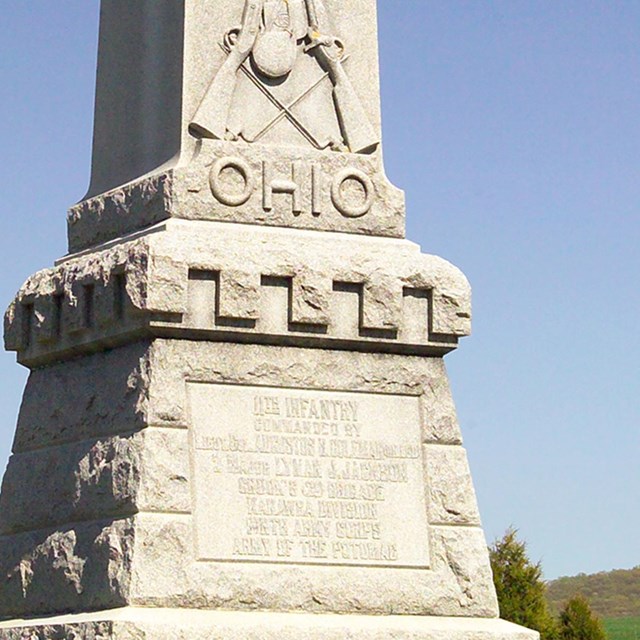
pixel 520 587
pixel 577 621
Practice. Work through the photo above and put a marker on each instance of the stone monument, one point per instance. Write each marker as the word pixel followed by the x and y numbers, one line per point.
pixel 238 422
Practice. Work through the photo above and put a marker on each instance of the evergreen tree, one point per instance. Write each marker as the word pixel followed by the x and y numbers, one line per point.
pixel 520 587
pixel 578 622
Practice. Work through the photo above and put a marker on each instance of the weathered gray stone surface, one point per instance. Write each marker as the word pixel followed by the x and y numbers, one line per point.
pixel 175 45
pixel 77 401
pixel 237 182
pixel 171 624
pixel 96 478
pixel 452 496
pixel 292 287
pixel 149 473
pixel 297 96
pixel 79 567
pixel 458 583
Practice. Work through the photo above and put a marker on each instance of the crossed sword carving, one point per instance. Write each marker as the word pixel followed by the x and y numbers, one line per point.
pixel 211 117
pixel 285 110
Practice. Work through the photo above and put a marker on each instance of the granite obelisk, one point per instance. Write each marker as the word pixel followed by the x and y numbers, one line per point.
pixel 237 422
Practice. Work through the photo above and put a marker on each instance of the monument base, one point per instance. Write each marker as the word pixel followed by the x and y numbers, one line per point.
pixel 176 624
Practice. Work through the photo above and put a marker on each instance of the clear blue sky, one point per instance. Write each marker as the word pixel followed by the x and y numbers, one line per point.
pixel 514 127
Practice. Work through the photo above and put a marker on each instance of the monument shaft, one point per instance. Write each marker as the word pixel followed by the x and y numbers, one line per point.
pixel 238 422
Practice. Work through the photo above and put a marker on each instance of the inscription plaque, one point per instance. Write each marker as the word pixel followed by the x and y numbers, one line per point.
pixel 302 476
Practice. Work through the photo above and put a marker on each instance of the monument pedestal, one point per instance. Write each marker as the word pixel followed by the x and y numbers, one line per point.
pixel 198 439
pixel 179 624
pixel 242 431
pixel 238 423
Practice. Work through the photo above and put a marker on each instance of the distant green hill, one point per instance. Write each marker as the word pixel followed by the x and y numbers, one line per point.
pixel 612 594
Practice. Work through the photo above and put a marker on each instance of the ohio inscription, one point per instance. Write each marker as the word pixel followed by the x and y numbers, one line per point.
pixel 306 476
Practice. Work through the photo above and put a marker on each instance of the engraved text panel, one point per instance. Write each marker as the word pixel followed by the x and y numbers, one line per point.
pixel 301 476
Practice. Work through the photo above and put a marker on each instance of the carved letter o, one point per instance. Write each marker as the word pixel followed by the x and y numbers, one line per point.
pixel 218 190
pixel 347 209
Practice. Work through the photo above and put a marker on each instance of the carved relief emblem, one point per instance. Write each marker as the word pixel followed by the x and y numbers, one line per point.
pixel 284 82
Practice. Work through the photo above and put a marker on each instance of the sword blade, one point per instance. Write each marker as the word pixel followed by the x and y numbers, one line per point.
pixel 312 11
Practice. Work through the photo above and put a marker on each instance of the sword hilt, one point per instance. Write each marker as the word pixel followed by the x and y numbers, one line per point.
pixel 318 40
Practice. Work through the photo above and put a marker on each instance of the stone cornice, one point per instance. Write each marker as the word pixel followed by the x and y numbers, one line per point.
pixel 199 281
